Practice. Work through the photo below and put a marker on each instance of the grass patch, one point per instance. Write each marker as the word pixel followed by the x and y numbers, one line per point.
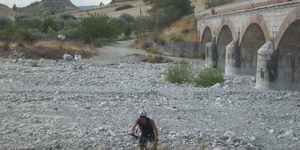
pixel 208 77
pixel 179 73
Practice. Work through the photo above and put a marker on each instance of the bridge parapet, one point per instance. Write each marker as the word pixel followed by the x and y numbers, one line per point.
pixel 239 6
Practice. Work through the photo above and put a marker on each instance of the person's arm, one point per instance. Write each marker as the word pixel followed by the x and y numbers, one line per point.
pixel 134 125
pixel 154 129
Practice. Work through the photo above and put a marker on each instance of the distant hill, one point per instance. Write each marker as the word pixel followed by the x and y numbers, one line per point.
pixel 53 6
pixel 6 11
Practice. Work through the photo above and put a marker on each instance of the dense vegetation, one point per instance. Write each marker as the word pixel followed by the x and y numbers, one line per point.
pixel 214 3
pixel 96 27
pixel 90 28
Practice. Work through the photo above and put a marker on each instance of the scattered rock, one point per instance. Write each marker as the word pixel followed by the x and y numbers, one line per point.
pixel 92 104
pixel 68 57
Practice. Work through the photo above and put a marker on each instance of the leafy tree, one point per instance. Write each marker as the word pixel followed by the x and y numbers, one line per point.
pixel 165 12
pixel 15 8
pixel 72 33
pixel 127 17
pixel 59 22
pixel 47 24
pixel 27 21
pixel 67 16
pixel 10 30
pixel 165 16
pixel 120 25
pixel 95 26
pixel 128 31
pixel 71 23
pixel 31 23
pixel 4 21
pixel 21 16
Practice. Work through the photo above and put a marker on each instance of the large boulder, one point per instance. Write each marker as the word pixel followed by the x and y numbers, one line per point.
pixel 68 57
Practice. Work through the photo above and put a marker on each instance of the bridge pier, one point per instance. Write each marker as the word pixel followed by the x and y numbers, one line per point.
pixel 211 54
pixel 266 67
pixel 232 60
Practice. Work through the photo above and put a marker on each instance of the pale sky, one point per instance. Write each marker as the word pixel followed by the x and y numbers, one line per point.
pixel 23 3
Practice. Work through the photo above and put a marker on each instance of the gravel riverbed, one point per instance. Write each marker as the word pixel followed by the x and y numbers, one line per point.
pixel 92 104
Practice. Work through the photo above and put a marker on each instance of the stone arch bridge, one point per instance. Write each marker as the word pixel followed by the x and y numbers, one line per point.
pixel 254 37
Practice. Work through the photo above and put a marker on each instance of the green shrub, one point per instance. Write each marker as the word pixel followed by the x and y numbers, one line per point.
pixel 215 3
pixel 158 39
pixel 23 35
pixel 179 73
pixel 48 23
pixel 67 16
pixel 208 77
pixel 97 43
pixel 123 7
pixel 71 23
pixel 176 37
pixel 27 21
pixel 4 21
pixel 127 17
pixel 146 44
pixel 185 30
pixel 10 30
pixel 72 33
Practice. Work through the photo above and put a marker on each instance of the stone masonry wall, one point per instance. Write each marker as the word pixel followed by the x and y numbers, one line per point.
pixel 178 48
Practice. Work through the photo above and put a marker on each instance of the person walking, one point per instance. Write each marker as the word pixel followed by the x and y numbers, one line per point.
pixel 148 128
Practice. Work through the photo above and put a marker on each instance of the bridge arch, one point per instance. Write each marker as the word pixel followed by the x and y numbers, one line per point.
pixel 224 38
pixel 290 18
pixel 227 22
pixel 205 38
pixel 258 19
pixel 252 40
pixel 288 53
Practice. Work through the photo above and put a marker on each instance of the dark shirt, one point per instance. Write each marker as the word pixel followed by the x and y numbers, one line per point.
pixel 147 129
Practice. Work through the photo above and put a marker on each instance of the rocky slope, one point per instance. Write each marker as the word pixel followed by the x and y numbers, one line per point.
pixel 91 104
pixel 7 11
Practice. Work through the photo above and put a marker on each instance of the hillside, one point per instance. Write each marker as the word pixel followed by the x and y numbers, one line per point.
pixel 54 6
pixel 110 9
pixel 6 11
pixel 135 11
pixel 38 8
pixel 190 34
